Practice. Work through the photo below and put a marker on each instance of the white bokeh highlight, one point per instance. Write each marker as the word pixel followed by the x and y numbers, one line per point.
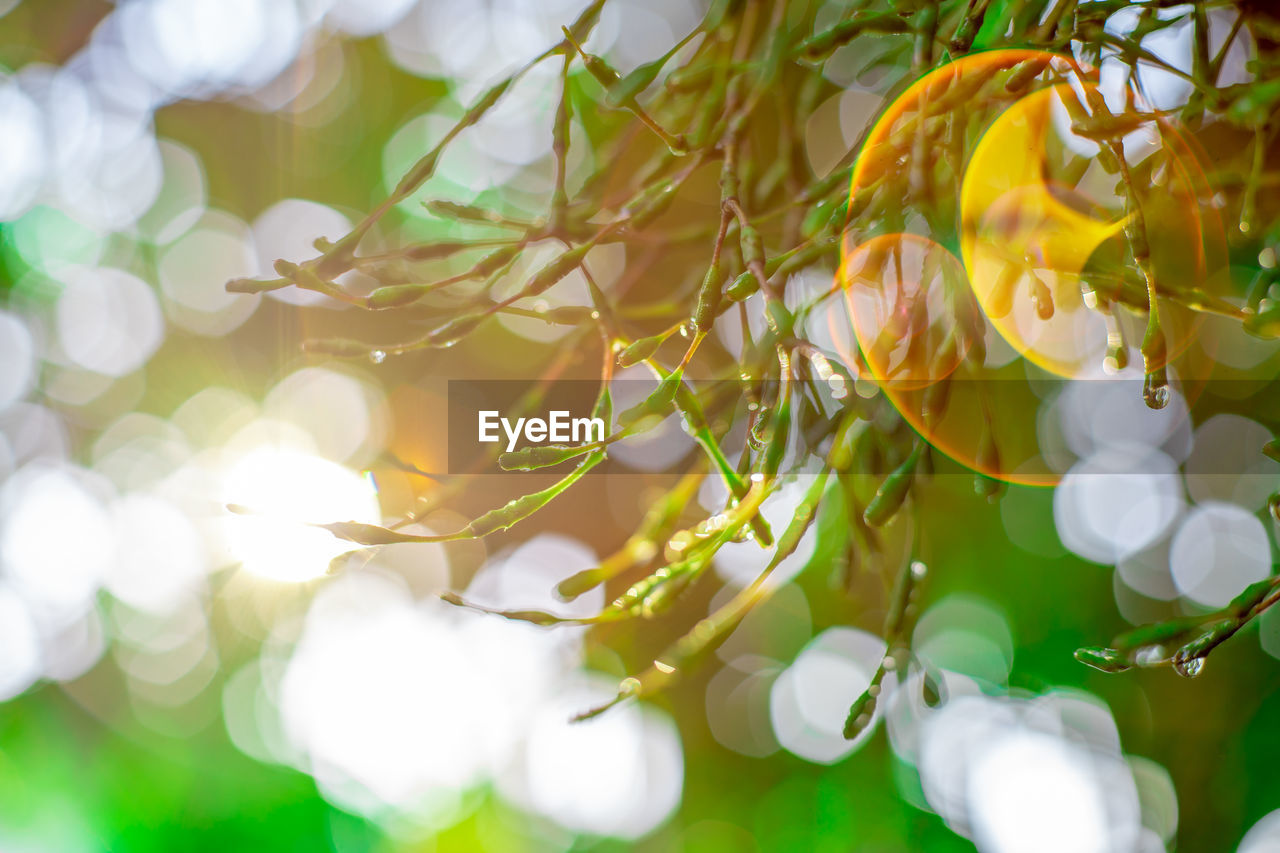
pixel 810 700
pixel 109 321
pixel 1219 550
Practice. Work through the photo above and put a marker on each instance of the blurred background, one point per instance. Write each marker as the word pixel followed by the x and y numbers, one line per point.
pixel 173 676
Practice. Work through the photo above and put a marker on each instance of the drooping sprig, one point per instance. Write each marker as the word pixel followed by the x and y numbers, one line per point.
pixel 729 106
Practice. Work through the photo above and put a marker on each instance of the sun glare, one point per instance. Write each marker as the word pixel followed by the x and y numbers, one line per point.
pixel 283 493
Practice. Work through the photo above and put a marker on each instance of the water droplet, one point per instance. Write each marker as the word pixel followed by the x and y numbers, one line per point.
pixel 1155 393
pixel 378 356
pixel 919 570
pixel 1188 667
pixel 715 523
pixel 629 686
pixel 1102 659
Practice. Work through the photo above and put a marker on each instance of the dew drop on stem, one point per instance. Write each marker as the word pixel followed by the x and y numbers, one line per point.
pixel 1155 391
pixel 1188 667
